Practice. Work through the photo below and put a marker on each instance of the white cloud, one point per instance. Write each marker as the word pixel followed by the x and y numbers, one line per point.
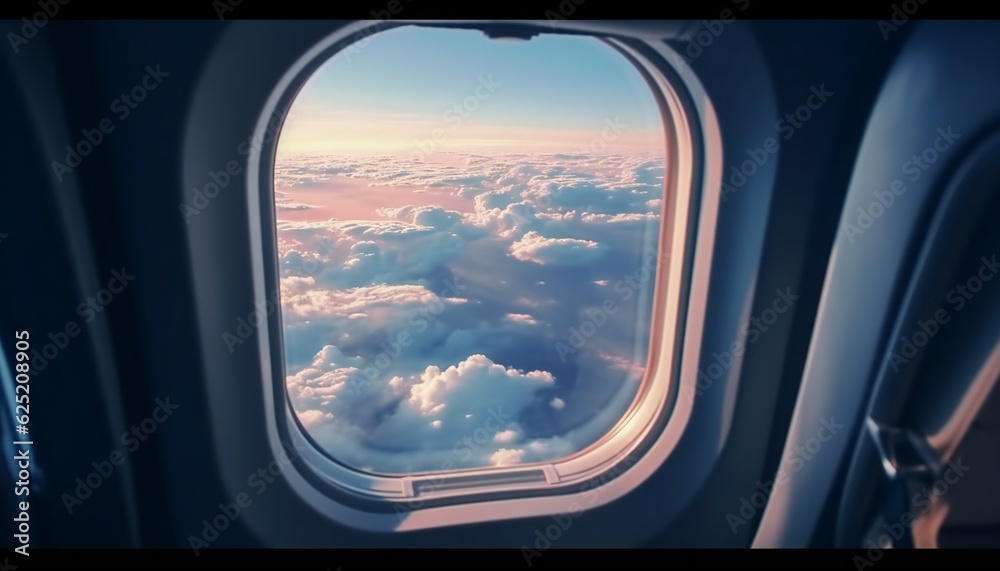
pixel 314 315
pixel 286 205
pixel 473 386
pixel 506 436
pixel 312 418
pixel 542 449
pixel 364 300
pixel 506 457
pixel 619 218
pixel 522 318
pixel 334 388
pixel 368 252
pixel 536 248
pixel 433 410
pixel 383 229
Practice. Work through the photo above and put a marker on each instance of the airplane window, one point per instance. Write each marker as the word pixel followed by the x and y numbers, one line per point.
pixel 468 237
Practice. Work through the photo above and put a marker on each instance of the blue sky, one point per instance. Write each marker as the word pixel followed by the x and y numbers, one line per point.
pixel 557 88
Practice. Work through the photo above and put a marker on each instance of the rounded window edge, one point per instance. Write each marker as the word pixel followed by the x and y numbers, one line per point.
pixel 653 423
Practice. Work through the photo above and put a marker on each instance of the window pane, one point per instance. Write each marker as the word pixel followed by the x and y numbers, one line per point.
pixel 467 234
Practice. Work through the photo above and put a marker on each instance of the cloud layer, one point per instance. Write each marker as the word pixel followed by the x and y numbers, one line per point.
pixel 424 329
